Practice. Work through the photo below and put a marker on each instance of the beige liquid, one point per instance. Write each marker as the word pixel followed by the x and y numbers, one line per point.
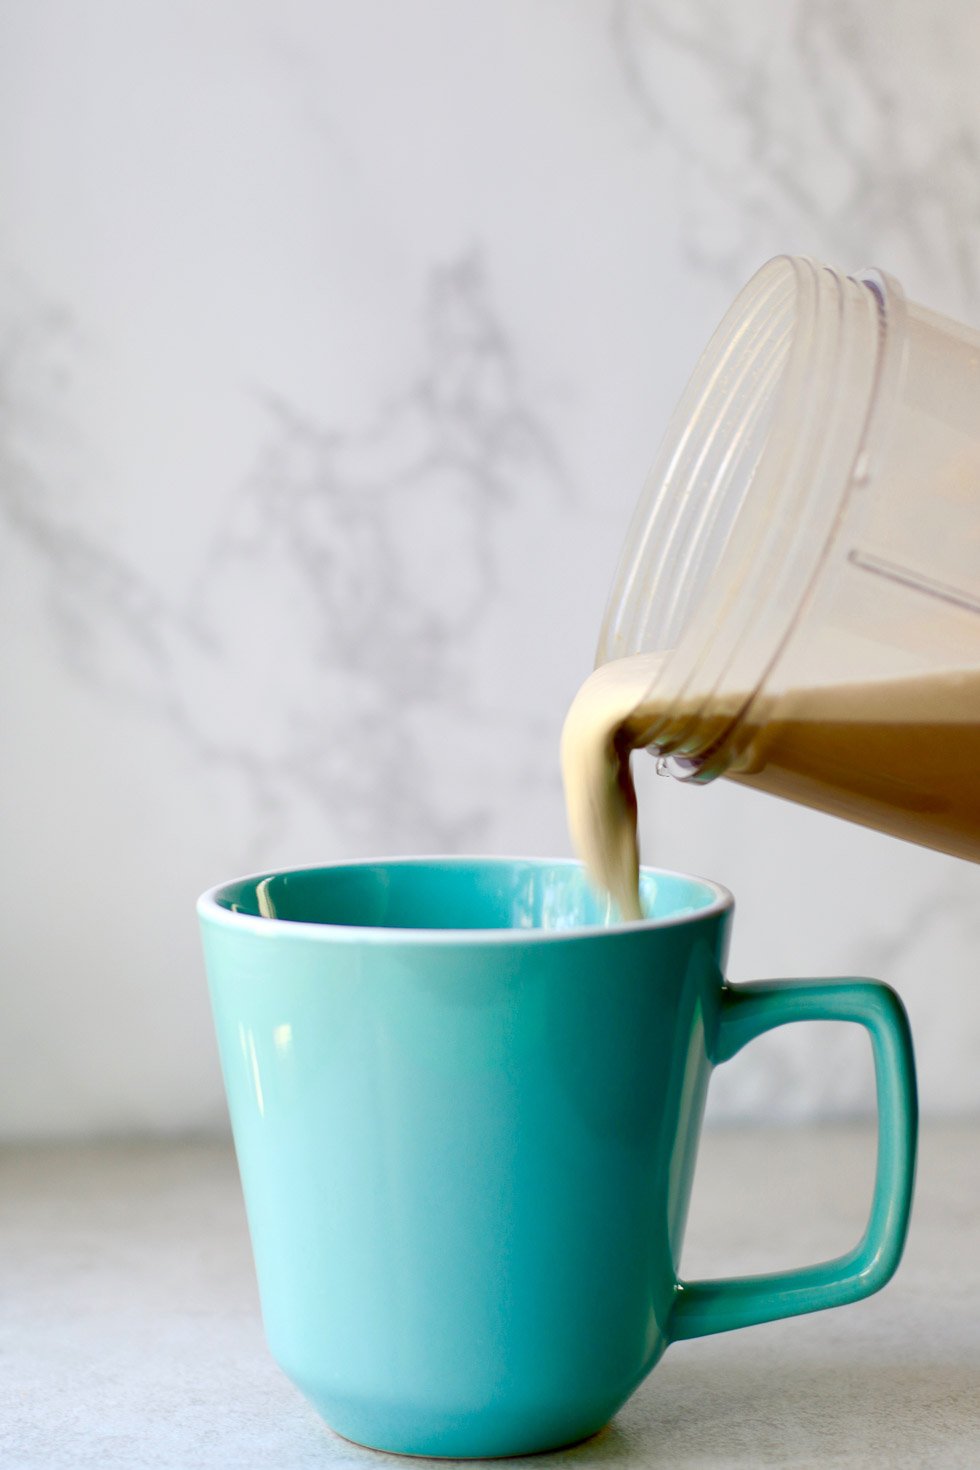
pixel 902 755
pixel 603 725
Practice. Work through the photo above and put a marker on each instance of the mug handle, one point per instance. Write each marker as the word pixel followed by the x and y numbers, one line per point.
pixel 704 1307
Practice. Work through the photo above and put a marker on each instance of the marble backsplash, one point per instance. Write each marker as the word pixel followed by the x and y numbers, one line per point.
pixel 334 343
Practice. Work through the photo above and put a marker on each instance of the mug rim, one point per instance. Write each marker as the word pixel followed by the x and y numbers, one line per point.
pixel 208 907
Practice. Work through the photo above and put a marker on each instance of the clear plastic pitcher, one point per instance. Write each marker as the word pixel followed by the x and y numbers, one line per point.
pixel 806 556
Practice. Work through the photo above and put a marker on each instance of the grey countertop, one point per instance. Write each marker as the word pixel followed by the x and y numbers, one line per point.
pixel 130 1333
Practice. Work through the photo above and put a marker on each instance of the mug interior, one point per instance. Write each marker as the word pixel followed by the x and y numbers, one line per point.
pixel 454 894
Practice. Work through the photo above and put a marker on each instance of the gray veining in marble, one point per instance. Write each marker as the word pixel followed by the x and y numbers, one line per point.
pixel 805 121
pixel 386 540
pixel 334 344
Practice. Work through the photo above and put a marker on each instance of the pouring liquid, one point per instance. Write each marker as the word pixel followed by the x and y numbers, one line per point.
pixel 901 755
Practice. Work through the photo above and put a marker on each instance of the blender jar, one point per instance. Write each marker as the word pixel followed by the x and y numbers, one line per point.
pixel 806 558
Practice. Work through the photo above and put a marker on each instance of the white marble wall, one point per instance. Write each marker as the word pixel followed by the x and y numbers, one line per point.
pixel 334 342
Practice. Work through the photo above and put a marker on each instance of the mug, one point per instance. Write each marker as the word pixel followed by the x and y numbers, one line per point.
pixel 466 1112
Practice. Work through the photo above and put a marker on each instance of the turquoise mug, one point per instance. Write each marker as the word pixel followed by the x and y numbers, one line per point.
pixel 466 1112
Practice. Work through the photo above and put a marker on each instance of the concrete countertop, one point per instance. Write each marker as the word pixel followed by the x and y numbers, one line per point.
pixel 130 1333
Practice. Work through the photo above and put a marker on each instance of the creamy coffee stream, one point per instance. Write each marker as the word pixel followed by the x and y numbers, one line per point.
pixel 899 754
pixel 602 727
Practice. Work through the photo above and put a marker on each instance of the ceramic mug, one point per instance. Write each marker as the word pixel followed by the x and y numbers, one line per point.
pixel 466 1113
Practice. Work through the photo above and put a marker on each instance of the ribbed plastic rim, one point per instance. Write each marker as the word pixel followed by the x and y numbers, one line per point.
pixel 748 486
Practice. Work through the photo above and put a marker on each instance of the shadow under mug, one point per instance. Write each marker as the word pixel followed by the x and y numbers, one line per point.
pixel 466 1115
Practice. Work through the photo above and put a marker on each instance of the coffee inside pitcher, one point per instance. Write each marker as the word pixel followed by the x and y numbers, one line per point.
pixel 900 755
